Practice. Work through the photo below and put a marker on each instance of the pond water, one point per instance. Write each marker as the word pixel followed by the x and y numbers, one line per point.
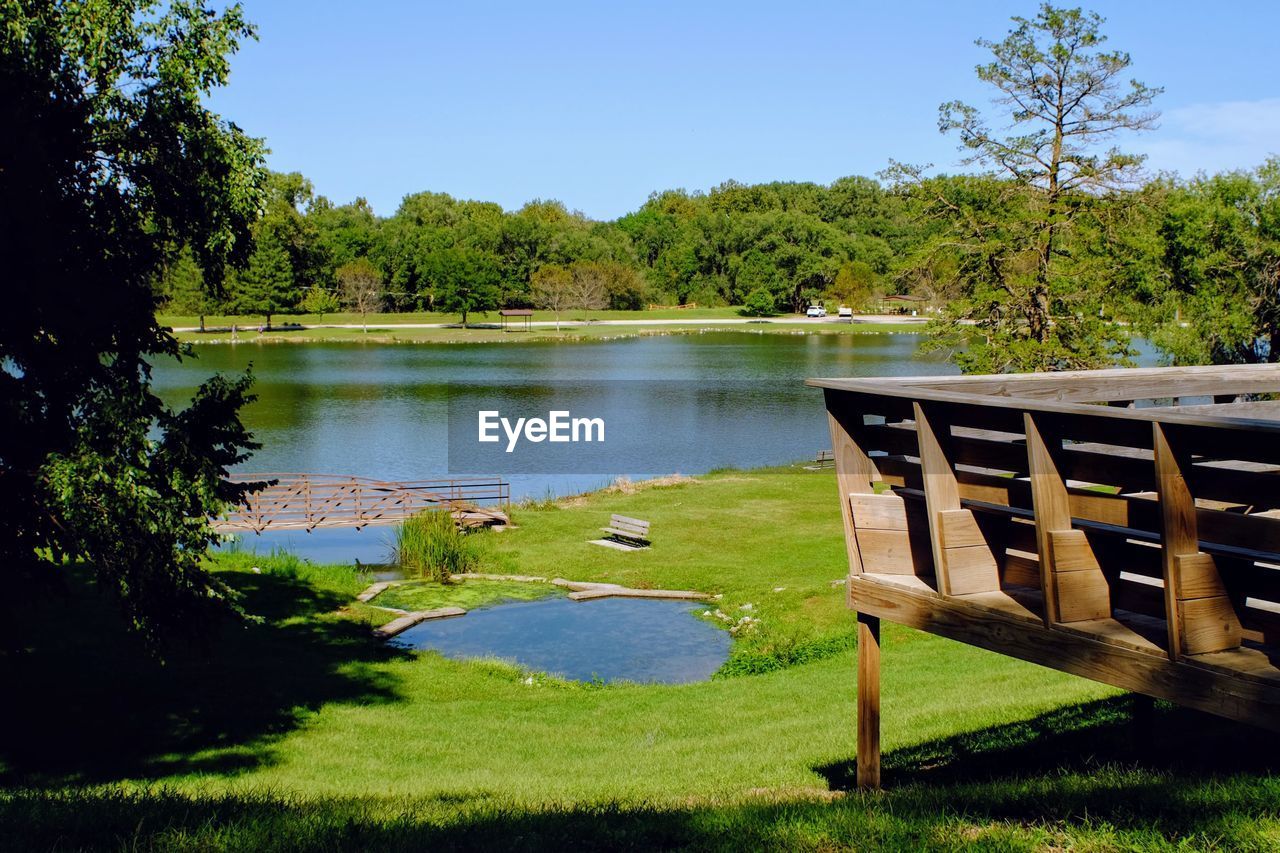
pixel 611 639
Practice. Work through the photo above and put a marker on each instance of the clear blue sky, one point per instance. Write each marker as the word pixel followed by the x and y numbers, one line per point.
pixel 600 103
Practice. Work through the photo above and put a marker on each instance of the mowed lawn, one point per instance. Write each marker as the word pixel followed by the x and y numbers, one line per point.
pixel 301 732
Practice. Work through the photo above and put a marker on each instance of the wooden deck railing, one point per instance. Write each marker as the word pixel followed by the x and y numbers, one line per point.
pixel 310 501
pixel 1122 525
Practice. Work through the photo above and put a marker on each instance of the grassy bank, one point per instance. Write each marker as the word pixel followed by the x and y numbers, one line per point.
pixel 300 732
pixel 444 328
pixel 397 318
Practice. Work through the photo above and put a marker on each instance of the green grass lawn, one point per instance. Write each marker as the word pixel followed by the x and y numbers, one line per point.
pixel 467 594
pixel 395 328
pixel 392 334
pixel 300 732
pixel 400 317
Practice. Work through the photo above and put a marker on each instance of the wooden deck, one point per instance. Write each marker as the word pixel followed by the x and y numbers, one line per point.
pixel 1121 525
pixel 311 501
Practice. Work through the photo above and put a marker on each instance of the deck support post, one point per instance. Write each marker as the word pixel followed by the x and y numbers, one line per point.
pixel 868 758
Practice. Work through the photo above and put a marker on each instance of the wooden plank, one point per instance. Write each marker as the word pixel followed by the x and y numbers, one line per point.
pixel 959 529
pixel 979 447
pixel 868 756
pixel 855 472
pixel 1257 437
pixel 1052 510
pixel 1070 551
pixel 1209 625
pixel 1001 602
pixel 975 567
pixel 880 512
pixel 1082 596
pixel 1268 409
pixel 1198 576
pixel 1075 652
pixel 972 569
pixel 887 551
pixel 1118 384
pixel 1061 549
pixel 1196 625
pixel 1021 568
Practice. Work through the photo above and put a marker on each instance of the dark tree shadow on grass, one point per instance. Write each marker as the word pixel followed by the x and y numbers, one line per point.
pixel 1079 773
pixel 1080 738
pixel 86 704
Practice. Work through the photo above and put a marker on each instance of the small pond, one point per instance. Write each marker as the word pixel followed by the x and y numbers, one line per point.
pixel 611 639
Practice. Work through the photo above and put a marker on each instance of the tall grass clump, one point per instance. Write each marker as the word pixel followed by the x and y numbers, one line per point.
pixel 430 545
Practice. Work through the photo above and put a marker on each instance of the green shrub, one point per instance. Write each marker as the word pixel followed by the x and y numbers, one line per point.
pixel 430 545
pixel 759 303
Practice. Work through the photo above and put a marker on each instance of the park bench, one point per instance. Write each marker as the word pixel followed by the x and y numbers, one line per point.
pixel 1109 524
pixel 628 531
pixel 825 458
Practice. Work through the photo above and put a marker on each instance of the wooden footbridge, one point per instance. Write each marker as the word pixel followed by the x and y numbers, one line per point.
pixel 1121 525
pixel 311 501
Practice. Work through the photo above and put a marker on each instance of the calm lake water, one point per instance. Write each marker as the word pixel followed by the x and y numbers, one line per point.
pixel 692 402
pixel 613 639
pixel 733 400
pixel 382 411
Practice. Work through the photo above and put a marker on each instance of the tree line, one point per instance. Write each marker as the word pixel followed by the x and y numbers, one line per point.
pixel 1193 264
pixel 1047 256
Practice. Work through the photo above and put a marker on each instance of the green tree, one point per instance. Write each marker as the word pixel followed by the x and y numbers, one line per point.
pixel 319 301
pixel 360 284
pixel 1221 255
pixel 109 162
pixel 464 281
pixel 183 290
pixel 759 303
pixel 855 284
pixel 266 286
pixel 552 288
pixel 1065 97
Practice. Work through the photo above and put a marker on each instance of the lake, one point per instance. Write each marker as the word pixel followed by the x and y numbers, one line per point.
pixel 691 403
pixel 381 411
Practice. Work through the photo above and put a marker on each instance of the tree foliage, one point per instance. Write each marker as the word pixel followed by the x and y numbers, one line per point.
pixel 109 164
pixel 1221 250
pixel 1064 96
pixel 360 284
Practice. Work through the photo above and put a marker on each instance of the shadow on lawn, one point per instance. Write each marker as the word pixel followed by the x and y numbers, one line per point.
pixel 1070 777
pixel 1121 808
pixel 1128 731
pixel 88 705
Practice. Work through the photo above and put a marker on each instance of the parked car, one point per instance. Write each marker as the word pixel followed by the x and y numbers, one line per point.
pixel 816 311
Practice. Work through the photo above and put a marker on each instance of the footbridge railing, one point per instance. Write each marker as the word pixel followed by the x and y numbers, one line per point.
pixel 293 501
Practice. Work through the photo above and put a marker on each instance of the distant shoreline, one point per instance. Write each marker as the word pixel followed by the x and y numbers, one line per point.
pixel 384 329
